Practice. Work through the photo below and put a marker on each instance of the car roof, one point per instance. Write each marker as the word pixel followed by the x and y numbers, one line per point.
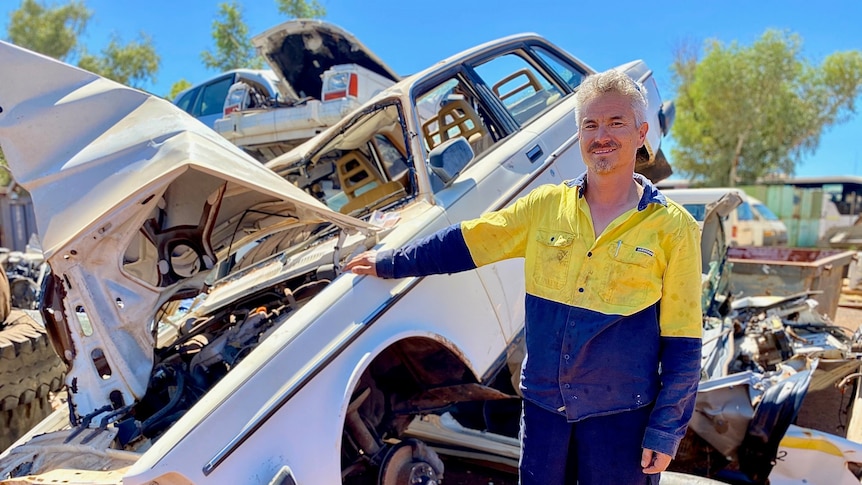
pixel 263 73
pixel 406 84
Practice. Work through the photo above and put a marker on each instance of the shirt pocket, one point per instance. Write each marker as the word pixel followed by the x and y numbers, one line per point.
pixel 553 258
pixel 631 275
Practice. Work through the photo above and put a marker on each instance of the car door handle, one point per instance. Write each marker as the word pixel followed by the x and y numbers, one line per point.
pixel 534 153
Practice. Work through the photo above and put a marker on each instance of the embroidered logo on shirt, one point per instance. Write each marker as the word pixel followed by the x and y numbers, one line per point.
pixel 644 250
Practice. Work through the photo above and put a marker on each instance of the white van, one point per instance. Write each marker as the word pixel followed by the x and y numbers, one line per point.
pixel 750 224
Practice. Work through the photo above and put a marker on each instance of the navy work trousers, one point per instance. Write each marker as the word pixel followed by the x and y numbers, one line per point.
pixel 594 451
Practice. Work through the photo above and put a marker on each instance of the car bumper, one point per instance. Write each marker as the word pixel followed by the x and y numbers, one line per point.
pixel 293 123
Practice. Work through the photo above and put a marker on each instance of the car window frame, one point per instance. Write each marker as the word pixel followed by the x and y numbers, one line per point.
pixel 555 53
pixel 498 114
pixel 744 213
pixel 231 78
pixel 412 186
pixel 495 109
pixel 193 95
pixel 523 58
pixel 528 53
pixel 561 55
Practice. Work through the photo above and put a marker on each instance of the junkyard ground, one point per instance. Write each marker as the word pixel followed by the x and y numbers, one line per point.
pixel 848 317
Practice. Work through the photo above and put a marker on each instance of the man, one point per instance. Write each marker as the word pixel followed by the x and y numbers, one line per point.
pixel 613 318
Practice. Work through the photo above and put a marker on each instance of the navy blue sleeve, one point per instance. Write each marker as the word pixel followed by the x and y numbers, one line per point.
pixel 680 374
pixel 442 252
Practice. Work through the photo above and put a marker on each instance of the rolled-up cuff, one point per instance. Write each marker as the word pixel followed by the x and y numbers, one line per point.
pixel 661 442
pixel 385 264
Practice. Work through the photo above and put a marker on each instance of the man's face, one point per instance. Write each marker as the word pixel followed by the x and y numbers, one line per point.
pixel 609 136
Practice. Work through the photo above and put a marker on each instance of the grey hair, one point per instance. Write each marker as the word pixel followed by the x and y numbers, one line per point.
pixel 612 81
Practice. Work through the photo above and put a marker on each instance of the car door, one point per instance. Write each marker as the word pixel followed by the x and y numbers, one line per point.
pixel 210 101
pixel 528 117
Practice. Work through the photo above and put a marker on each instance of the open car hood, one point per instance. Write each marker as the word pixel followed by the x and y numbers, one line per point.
pixel 135 202
pixel 301 50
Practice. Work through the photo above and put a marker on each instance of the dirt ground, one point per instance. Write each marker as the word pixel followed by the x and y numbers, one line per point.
pixel 848 317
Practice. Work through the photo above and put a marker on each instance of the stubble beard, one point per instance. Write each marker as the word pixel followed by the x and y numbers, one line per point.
pixel 602 166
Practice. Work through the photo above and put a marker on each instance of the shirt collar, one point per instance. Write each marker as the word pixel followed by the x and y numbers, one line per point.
pixel 651 193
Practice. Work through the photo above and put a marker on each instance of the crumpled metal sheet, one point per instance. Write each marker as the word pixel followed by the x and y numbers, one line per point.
pixel 88 450
pixel 723 410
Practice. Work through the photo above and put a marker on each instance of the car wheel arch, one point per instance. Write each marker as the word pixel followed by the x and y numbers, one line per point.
pixel 410 376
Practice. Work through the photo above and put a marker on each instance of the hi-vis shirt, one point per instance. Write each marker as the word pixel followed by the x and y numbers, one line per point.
pixel 613 322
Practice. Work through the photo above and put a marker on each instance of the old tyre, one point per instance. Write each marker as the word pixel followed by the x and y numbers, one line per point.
pixel 29 371
pixel 5 296
pixel 24 293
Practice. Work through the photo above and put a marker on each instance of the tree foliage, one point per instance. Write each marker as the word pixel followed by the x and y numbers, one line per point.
pixel 744 112
pixel 301 9
pixel 131 64
pixel 233 47
pixel 5 175
pixel 178 87
pixel 51 31
pixel 55 32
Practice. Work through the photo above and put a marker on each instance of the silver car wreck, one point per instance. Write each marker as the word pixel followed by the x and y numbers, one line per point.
pixel 197 298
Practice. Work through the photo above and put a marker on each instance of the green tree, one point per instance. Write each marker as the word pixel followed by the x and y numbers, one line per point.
pixel 132 64
pixel 746 112
pixel 55 32
pixel 301 9
pixel 5 175
pixel 51 31
pixel 233 47
pixel 178 87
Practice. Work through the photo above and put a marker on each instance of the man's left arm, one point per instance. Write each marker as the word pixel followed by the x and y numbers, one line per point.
pixel 681 321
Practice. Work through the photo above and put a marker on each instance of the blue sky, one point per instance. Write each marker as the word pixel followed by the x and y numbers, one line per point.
pixel 410 35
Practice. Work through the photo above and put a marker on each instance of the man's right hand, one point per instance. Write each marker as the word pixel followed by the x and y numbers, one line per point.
pixel 365 263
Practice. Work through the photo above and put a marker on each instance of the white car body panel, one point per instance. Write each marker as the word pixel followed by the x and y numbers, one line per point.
pixel 286 402
pixel 115 172
pixel 814 457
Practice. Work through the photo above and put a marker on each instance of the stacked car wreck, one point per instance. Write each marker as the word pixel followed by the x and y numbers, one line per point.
pixel 283 366
pixel 198 301
pixel 324 74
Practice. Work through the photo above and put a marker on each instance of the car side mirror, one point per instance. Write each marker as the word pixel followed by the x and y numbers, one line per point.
pixel 448 159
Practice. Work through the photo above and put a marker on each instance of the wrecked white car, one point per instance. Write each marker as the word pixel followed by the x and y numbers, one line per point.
pixel 197 298
pixel 761 357
pixel 324 73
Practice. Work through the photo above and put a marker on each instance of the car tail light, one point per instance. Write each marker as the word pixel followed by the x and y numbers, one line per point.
pixel 341 85
pixel 236 99
pixel 733 231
